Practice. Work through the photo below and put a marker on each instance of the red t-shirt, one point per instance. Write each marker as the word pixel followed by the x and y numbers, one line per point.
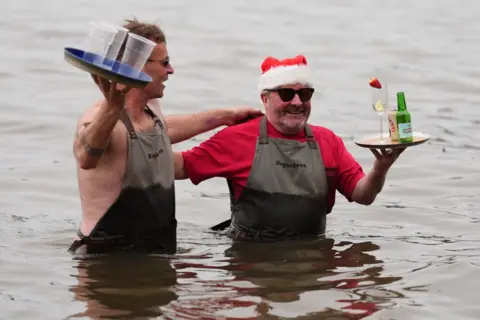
pixel 229 154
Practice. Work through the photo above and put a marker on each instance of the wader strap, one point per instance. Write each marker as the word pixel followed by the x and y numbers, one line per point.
pixel 128 124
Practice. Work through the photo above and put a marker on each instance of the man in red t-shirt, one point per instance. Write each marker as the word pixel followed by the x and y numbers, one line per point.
pixel 282 172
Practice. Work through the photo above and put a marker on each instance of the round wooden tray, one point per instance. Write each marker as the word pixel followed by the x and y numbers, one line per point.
pixel 373 141
pixel 109 69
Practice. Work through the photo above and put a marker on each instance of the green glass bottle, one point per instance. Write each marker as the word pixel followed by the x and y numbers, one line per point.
pixel 404 120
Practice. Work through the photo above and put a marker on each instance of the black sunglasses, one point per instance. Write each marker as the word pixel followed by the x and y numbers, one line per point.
pixel 165 62
pixel 287 94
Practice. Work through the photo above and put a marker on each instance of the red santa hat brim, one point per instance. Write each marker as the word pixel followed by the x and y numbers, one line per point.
pixel 288 71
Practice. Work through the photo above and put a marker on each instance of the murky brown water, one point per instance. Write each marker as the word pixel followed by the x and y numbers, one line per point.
pixel 414 254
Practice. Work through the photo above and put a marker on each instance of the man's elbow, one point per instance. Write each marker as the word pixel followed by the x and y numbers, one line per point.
pixel 366 200
pixel 84 161
pixel 362 195
pixel 87 163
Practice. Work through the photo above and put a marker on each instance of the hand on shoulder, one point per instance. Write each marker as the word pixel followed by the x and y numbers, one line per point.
pixel 241 114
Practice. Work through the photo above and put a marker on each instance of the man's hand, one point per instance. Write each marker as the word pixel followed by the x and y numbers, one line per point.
pixel 242 114
pixel 385 158
pixel 113 92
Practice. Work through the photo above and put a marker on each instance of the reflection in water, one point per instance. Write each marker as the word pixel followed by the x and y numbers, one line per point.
pixel 287 279
pixel 124 286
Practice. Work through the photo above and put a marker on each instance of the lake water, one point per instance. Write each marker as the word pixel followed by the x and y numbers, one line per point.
pixel 413 254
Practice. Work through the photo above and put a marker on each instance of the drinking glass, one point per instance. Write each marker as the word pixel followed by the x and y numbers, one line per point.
pixel 98 41
pixel 380 103
pixel 116 43
pixel 137 50
pixel 100 37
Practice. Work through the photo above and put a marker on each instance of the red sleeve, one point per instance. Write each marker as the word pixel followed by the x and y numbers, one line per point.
pixel 212 158
pixel 348 169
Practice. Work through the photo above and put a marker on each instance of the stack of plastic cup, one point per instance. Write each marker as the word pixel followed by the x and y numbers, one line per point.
pixel 137 51
pixel 99 40
pixel 114 48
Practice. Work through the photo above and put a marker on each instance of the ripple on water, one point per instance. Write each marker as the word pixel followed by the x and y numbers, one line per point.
pixel 413 254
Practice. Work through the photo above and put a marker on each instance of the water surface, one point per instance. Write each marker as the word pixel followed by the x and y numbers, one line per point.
pixel 413 254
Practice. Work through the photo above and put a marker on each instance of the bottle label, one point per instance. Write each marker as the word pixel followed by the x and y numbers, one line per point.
pixel 392 125
pixel 405 130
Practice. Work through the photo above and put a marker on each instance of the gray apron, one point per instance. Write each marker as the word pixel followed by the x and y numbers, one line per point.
pixel 143 216
pixel 286 193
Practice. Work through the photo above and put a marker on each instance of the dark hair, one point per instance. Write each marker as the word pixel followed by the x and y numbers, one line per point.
pixel 147 30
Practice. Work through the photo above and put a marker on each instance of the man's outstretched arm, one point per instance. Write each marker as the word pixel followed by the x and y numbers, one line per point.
pixel 211 158
pixel 184 127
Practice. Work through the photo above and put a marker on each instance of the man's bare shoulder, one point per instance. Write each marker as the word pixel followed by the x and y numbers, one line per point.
pixel 88 116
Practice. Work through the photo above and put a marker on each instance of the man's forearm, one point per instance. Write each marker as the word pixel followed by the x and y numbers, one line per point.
pixel 369 187
pixel 184 127
pixel 94 137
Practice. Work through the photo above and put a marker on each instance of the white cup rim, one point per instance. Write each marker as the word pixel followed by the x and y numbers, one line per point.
pixel 142 39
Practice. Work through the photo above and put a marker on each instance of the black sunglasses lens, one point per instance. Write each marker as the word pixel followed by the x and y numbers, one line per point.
pixel 286 94
pixel 305 94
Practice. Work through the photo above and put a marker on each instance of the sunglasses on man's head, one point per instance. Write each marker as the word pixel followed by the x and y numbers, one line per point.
pixel 287 94
pixel 165 62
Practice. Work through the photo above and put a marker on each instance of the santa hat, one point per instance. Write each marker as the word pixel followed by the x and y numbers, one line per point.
pixel 280 72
